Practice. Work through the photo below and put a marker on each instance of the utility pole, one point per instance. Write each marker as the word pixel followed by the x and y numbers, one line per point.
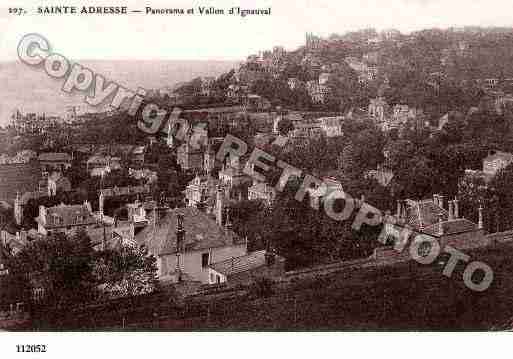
pixel 180 234
pixel 100 204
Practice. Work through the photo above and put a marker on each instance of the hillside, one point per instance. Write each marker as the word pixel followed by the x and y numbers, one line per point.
pixel 405 296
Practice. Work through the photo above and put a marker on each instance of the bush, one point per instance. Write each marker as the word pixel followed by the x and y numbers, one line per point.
pixel 262 287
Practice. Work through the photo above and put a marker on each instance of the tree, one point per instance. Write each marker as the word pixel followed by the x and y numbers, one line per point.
pixel 500 199
pixel 126 271
pixel 13 284
pixel 305 236
pixel 60 265
pixel 472 193
pixel 285 126
pixel 190 88
pixel 246 218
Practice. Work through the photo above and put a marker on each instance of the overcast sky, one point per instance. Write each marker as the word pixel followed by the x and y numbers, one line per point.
pixel 232 38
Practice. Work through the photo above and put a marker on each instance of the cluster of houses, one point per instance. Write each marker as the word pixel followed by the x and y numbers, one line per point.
pixel 24 156
pixel 398 117
pixel 195 242
pixel 191 243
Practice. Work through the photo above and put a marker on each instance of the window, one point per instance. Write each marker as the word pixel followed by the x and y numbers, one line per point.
pixel 212 277
pixel 205 257
pixel 218 279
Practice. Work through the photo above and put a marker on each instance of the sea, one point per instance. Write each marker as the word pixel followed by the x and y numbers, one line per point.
pixel 30 89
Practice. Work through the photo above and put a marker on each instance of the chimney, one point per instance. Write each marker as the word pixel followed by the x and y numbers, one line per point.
pixel 180 236
pixel 228 223
pixel 451 211
pixel 42 214
pixel 269 255
pixel 230 236
pixel 86 204
pixel 18 209
pixel 403 210
pixel 219 206
pixel 23 236
pixel 456 209
pixel 132 230
pixel 480 222
pixel 435 199
pixel 441 201
pixel 180 232
pixel 440 224
pixel 101 203
pixel 154 215
pixel 202 204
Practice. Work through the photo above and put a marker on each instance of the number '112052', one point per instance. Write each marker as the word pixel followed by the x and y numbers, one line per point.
pixel 31 348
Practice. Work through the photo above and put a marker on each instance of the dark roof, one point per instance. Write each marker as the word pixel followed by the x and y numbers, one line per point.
pixel 27 196
pixel 70 214
pixel 201 232
pixel 499 155
pixel 424 213
pixel 262 188
pixel 22 177
pixel 122 191
pixel 501 236
pixel 237 265
pixel 454 226
pixel 54 157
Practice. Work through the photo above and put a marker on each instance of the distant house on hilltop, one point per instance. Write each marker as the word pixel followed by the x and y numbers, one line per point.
pixel 207 83
pixel 378 110
pixel 318 92
pixel 253 102
pixel 332 126
pixel 98 164
pixel 189 158
pixel 492 164
pixel 58 183
pixel 200 190
pixel 262 191
pixel 495 161
pixel 53 161
pixel 294 83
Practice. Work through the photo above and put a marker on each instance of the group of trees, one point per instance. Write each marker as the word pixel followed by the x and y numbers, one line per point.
pixel 66 270
pixel 423 162
pixel 301 234
pixel 495 197
pixel 280 94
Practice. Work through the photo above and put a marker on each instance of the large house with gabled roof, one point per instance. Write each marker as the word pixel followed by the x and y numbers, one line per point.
pixel 440 220
pixel 63 218
pixel 54 161
pixel 186 241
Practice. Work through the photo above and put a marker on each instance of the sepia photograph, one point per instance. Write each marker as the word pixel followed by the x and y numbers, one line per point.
pixel 255 167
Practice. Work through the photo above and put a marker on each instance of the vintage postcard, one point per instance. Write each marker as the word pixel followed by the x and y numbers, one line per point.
pixel 254 166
